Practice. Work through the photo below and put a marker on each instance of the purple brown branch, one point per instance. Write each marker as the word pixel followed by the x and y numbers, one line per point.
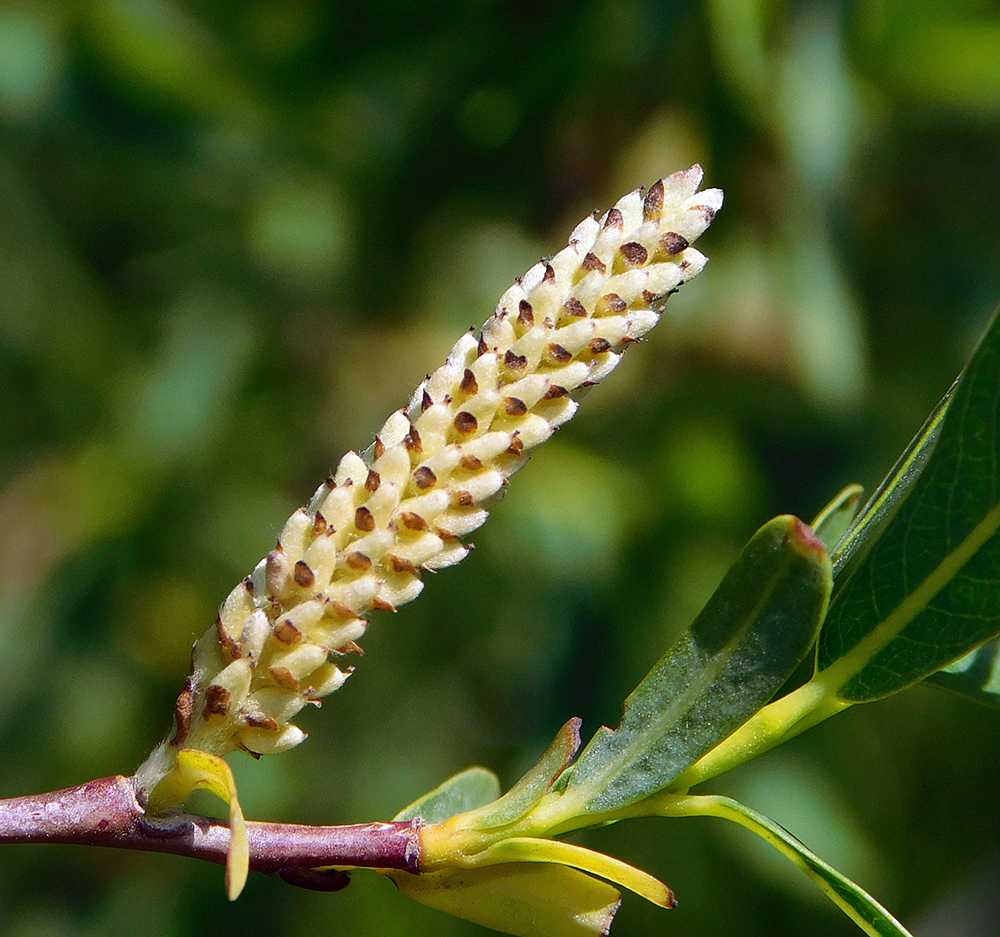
pixel 107 812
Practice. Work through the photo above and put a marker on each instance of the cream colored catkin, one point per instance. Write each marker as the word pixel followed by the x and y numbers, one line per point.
pixel 380 520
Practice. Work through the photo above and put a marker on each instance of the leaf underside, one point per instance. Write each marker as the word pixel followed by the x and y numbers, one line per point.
pixel 755 629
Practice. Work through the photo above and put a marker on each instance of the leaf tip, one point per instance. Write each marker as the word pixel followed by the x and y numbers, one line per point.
pixel 802 536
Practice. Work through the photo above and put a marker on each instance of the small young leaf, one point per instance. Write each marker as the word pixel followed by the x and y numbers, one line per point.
pixel 751 635
pixel 465 791
pixel 197 770
pixel 928 591
pixel 524 899
pixel 519 800
pixel 833 522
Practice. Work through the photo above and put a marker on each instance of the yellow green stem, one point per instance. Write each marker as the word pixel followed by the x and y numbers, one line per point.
pixel 777 722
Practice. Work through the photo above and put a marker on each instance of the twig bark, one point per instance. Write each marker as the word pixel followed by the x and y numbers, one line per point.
pixel 106 812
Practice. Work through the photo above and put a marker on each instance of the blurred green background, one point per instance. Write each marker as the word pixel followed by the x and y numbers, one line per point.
pixel 236 234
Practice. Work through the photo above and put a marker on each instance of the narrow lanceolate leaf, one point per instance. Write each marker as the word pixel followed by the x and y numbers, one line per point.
pixel 928 590
pixel 854 901
pixel 751 635
pixel 531 849
pixel 381 520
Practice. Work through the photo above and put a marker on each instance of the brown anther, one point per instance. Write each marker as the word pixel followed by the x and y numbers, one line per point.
pixel 412 440
pixel 283 677
pixel 364 520
pixel 303 575
pixel 482 348
pixel 382 605
pixel 231 647
pixel 707 211
pixel 612 303
pixel 262 720
pixel 466 423
pixel 425 402
pixel 319 525
pixel 373 481
pixel 593 262
pixel 339 609
pixel 182 714
pixel 559 353
pixel 514 407
pixel 413 521
pixel 554 391
pixel 423 477
pixel 515 448
pixel 598 345
pixel 574 307
pixel 615 219
pixel 402 565
pixel 357 561
pixel 649 297
pixel 525 316
pixel 652 203
pixel 287 633
pixel 469 383
pixel 379 450
pixel 471 463
pixel 217 701
pixel 248 582
pixel 634 254
pixel 461 499
pixel 673 243
pixel 514 361
pixel 549 274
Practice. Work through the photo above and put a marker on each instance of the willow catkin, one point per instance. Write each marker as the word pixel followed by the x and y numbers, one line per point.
pixel 436 465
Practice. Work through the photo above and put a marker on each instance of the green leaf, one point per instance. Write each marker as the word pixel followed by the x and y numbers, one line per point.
pixel 889 495
pixel 855 902
pixel 531 849
pixel 926 590
pixel 194 770
pixel 833 522
pixel 976 675
pixel 519 800
pixel 466 791
pixel 524 899
pixel 756 628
